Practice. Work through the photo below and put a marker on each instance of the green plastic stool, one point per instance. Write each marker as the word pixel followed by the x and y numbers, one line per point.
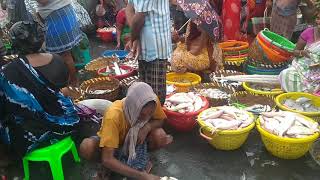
pixel 53 155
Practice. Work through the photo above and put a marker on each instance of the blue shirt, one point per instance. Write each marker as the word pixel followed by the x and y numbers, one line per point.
pixel 155 36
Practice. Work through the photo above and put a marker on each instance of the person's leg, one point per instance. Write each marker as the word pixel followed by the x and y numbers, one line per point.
pixel 68 59
pixel 155 76
pixel 158 139
pixel 89 149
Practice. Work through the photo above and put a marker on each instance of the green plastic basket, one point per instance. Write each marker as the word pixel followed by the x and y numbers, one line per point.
pixel 278 40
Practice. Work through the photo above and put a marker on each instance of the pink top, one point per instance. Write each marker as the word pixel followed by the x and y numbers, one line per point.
pixel 308 35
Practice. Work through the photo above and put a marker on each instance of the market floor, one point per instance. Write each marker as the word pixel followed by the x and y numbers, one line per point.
pixel 191 158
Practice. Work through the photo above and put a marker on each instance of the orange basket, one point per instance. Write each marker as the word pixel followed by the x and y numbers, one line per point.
pixel 273 55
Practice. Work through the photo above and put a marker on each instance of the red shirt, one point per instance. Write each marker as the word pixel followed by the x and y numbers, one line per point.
pixel 121 17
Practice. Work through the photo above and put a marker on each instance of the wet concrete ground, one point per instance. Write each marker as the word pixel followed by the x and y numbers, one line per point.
pixel 191 158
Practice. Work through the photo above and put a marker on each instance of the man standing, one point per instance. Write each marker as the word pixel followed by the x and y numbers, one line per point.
pixel 151 37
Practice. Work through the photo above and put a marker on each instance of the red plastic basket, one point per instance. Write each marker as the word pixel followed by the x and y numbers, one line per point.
pixel 131 72
pixel 184 122
pixel 105 36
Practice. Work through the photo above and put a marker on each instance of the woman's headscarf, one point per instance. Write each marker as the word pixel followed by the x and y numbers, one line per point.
pixel 139 94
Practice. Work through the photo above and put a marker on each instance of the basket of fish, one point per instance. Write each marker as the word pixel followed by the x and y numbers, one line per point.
pixel 263 89
pixel 93 66
pixel 216 77
pixel 253 103
pixel 183 81
pixel 182 110
pixel 286 134
pixel 298 102
pixel 217 94
pixel 76 94
pixel 225 127
pixel 101 88
pixel 117 71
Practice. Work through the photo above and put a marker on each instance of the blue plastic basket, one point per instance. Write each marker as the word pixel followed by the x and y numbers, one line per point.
pixel 121 54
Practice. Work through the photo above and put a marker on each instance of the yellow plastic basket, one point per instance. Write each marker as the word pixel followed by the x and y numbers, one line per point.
pixel 226 139
pixel 178 79
pixel 286 148
pixel 295 95
pixel 275 92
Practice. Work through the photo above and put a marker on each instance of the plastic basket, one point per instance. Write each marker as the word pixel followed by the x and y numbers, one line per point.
pixel 282 52
pixel 286 148
pixel 247 87
pixel 121 54
pixel 295 95
pixel 184 122
pixel 177 80
pixel 278 40
pixel 226 139
pixel 233 45
pixel 272 54
pixel 131 72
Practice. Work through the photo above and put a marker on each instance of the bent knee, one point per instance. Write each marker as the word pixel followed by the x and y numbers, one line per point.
pixel 88 148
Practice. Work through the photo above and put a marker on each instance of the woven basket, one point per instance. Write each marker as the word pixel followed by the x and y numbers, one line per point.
pixel 76 94
pixel 266 65
pixel 215 85
pixel 99 63
pixel 104 83
pixel 224 73
pixel 250 99
pixel 127 82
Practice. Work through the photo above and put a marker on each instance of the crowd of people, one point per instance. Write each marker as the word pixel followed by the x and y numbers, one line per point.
pixel 34 112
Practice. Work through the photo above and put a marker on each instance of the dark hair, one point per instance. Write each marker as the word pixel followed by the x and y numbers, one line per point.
pixel 26 37
pixel 150 103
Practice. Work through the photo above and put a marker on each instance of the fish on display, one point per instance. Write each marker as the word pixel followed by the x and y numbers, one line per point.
pixel 226 118
pixel 302 104
pixel 214 93
pixel 288 124
pixel 184 102
pixel 258 108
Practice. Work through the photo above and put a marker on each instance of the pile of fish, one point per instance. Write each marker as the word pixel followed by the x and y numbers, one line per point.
pixel 302 104
pixel 98 92
pixel 264 87
pixel 114 70
pixel 226 118
pixel 184 102
pixel 287 124
pixel 214 93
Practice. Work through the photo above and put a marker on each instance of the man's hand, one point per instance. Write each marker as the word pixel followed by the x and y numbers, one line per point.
pixel 136 48
pixel 143 133
pixel 146 176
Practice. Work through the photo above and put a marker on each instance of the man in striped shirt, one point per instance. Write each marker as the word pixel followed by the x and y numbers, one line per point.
pixel 151 37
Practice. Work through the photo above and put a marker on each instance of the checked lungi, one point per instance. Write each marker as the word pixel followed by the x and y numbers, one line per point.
pixel 154 74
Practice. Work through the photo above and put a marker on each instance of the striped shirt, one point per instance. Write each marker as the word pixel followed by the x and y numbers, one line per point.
pixel 155 36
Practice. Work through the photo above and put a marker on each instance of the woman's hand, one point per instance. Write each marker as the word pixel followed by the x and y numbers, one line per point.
pixel 118 45
pixel 302 53
pixel 175 36
pixel 146 176
pixel 143 133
